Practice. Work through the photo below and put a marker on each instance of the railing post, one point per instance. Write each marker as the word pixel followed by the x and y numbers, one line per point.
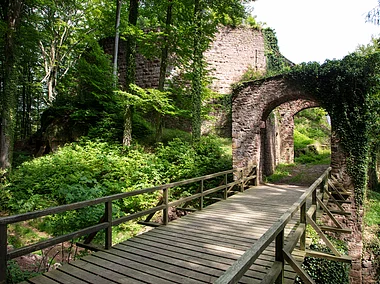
pixel 108 218
pixel 303 221
pixel 3 253
pixel 225 189
pixel 166 209
pixel 314 202
pixel 202 197
pixel 280 256
pixel 256 182
pixel 241 180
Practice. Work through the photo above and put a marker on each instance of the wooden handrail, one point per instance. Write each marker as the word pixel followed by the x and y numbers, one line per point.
pixel 242 264
pixel 107 223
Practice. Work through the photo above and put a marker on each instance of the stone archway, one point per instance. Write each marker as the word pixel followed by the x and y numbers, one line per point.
pixel 278 136
pixel 251 105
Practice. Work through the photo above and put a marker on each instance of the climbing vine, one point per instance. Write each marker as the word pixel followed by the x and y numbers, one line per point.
pixel 276 62
pixel 345 89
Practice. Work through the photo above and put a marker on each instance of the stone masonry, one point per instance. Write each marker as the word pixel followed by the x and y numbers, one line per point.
pixel 232 52
pixel 256 136
pixel 278 141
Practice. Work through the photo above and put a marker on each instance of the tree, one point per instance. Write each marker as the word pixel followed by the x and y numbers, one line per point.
pixel 117 37
pixel 11 14
pixel 373 16
pixel 131 67
pixel 64 26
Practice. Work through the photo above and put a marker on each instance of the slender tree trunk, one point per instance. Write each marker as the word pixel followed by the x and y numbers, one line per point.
pixel 116 47
pixel 197 72
pixel 131 70
pixel 12 11
pixel 164 67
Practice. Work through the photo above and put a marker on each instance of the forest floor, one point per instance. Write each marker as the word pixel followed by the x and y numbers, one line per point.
pixel 301 174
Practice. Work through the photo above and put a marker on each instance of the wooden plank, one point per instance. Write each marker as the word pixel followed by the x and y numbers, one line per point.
pixel 190 270
pixel 338 184
pixel 97 274
pixel 325 209
pixel 336 230
pixel 118 272
pixel 197 248
pixel 53 241
pixel 317 254
pixel 341 212
pixel 149 224
pixel 214 261
pixel 90 275
pixel 61 277
pixel 42 279
pixel 122 260
pixel 298 269
pixel 336 190
pixel 273 273
pixel 322 235
pixel 332 198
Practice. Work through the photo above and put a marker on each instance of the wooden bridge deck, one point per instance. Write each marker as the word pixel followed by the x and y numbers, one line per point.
pixel 197 248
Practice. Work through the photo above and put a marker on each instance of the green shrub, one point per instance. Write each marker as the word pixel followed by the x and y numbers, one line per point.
pixel 324 271
pixel 87 170
pixel 301 140
pixel 16 274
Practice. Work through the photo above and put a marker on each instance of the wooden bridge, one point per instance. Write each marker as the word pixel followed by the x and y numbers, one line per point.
pixel 257 235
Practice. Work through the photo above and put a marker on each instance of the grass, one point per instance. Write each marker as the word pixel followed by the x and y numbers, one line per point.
pixel 322 158
pixel 24 234
pixel 371 235
pixel 372 209
pixel 282 171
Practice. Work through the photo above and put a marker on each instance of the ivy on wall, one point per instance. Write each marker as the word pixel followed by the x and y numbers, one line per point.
pixel 276 62
pixel 345 89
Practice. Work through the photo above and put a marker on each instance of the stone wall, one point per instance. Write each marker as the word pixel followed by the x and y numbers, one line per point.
pixel 254 142
pixel 230 55
pixel 232 52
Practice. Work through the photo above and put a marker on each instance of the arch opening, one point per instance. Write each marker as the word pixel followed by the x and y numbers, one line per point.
pixel 296 132
pixel 254 135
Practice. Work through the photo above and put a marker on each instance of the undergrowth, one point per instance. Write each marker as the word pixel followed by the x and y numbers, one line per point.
pixel 87 170
pixel 371 236
pixel 324 271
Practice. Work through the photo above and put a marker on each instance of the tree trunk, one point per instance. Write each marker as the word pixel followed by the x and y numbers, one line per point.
pixel 164 67
pixel 12 12
pixel 197 72
pixel 131 70
pixel 116 46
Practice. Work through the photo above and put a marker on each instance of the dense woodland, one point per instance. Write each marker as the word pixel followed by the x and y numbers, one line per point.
pixel 55 75
pixel 52 60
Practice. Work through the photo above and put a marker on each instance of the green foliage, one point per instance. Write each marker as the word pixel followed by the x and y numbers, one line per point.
pixel 87 170
pixel 322 270
pixel 276 62
pixel 282 171
pixel 371 235
pixel 313 124
pixel 320 158
pixel 251 21
pixel 147 100
pixel 301 140
pixel 345 88
pixel 372 212
pixel 16 274
pixel 252 74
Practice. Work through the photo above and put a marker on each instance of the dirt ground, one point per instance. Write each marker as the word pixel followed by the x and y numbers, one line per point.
pixel 303 174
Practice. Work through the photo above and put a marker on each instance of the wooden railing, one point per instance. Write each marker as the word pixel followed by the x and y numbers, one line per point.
pixel 242 177
pixel 283 252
